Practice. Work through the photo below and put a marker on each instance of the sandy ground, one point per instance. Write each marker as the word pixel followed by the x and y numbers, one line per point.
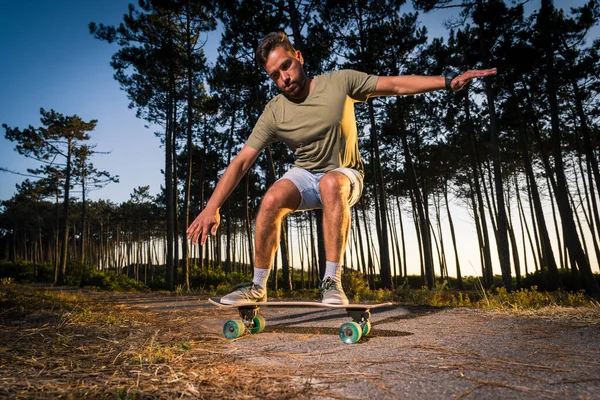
pixel 411 353
pixel 420 352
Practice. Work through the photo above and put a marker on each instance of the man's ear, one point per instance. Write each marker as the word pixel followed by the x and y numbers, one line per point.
pixel 299 57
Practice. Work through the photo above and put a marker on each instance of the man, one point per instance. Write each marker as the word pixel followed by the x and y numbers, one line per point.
pixel 315 117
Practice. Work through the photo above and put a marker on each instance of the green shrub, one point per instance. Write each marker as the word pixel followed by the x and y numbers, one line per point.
pixel 108 280
pixel 27 271
pixel 355 286
pixel 207 277
pixel 214 279
pixel 158 283
pixel 539 279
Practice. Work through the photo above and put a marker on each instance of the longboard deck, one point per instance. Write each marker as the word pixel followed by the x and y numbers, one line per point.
pixel 309 304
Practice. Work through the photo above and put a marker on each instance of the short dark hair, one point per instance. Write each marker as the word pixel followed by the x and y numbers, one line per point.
pixel 269 43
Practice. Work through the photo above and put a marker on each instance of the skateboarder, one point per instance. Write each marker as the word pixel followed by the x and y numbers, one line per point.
pixel 315 118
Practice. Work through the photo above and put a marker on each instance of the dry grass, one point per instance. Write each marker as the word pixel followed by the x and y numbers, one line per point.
pixel 64 344
pixel 588 315
pixel 61 345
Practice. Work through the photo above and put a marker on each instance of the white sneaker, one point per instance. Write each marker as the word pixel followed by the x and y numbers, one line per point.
pixel 246 292
pixel 332 292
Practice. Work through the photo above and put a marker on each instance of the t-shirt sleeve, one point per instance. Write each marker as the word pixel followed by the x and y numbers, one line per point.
pixel 263 133
pixel 359 85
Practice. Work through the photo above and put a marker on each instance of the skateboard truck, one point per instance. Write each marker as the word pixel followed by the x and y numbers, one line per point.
pixel 359 315
pixel 248 314
pixel 251 321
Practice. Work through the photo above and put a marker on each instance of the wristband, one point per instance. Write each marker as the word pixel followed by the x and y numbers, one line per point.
pixel 448 78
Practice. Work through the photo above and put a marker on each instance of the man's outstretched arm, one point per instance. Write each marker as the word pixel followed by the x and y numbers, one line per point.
pixel 208 220
pixel 415 84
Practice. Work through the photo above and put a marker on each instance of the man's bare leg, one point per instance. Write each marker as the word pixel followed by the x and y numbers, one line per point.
pixel 280 200
pixel 335 191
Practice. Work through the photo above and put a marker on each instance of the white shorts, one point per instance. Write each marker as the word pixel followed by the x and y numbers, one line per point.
pixel 308 184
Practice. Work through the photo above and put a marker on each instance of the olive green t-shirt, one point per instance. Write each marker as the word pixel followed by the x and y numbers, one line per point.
pixel 321 130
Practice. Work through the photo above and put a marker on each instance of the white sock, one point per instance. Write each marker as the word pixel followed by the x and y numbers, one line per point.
pixel 333 271
pixel 261 275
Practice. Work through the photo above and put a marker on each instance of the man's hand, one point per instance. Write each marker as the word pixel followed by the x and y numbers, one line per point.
pixel 206 222
pixel 463 79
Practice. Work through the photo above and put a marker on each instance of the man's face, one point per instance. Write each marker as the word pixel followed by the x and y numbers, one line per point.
pixel 285 69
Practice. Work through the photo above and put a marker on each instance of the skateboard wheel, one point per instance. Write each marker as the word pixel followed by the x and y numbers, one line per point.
pixel 366 329
pixel 233 329
pixel 350 332
pixel 258 324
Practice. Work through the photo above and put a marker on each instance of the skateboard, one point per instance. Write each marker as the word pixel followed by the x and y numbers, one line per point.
pixel 253 322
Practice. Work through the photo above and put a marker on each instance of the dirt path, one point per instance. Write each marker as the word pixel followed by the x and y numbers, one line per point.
pixel 411 353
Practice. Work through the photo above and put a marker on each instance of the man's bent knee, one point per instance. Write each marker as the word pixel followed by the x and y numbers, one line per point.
pixel 335 184
pixel 283 196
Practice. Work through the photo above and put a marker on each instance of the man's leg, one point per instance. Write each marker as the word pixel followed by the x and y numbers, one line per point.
pixel 280 200
pixel 335 189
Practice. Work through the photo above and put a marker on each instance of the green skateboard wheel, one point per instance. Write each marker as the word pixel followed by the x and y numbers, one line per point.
pixel 233 329
pixel 258 324
pixel 350 332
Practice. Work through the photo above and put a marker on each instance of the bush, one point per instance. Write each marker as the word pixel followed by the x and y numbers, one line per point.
pixel 158 283
pixel 214 279
pixel 206 278
pixel 27 271
pixel 539 279
pixel 441 296
pixel 356 286
pixel 108 280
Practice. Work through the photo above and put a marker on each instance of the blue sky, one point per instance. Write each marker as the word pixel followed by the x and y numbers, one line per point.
pixel 49 60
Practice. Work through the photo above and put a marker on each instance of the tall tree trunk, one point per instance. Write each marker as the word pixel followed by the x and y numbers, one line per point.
pixel 420 207
pixel 285 260
pixel 524 229
pixel 502 225
pixel 370 262
pixel 360 240
pixel 478 228
pixel 320 243
pixel 248 224
pixel 63 266
pixel 189 134
pixel 83 217
pixel 488 275
pixel 441 248
pixel 396 246
pixel 382 231
pixel 169 278
pixel 514 249
pixel 547 255
pixel 56 235
pixel 571 238
pixel 228 228
pixel 453 235
pixel 176 259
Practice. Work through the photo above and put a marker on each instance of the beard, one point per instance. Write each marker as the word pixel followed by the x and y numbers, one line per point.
pixel 295 88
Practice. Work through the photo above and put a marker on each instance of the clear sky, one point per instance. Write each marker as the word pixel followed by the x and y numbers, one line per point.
pixel 48 59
